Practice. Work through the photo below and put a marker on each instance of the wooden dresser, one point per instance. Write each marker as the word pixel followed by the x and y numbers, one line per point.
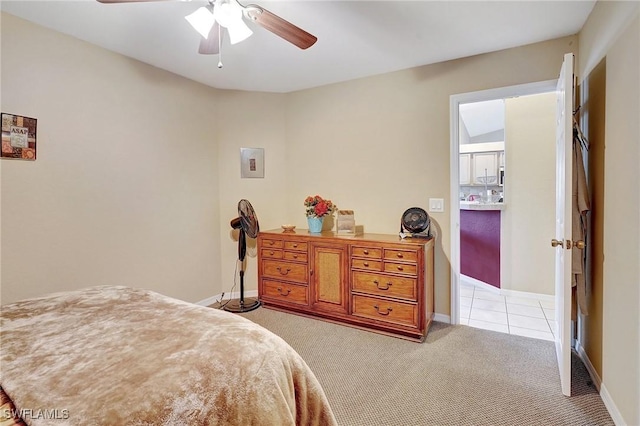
pixel 377 282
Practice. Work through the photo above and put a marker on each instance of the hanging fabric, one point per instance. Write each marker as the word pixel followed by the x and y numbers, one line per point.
pixel 580 208
pixel 579 136
pixel 577 132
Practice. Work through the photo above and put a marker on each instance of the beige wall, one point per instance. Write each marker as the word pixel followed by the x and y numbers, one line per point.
pixel 592 121
pixel 1 163
pixel 250 120
pixel 607 21
pixel 529 218
pixel 379 145
pixel 621 229
pixel 124 190
pixel 376 145
pixel 621 369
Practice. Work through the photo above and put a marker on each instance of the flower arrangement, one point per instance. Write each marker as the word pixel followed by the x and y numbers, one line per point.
pixel 317 206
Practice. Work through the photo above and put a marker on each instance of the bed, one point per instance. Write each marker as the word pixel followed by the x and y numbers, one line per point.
pixel 125 356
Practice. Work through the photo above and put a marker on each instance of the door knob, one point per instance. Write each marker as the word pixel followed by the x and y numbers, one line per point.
pixel 579 244
pixel 556 243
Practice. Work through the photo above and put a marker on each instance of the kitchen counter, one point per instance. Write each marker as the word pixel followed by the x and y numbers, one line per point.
pixel 477 205
pixel 480 243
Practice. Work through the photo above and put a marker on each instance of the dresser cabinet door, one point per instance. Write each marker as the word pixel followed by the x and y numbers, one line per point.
pixel 328 278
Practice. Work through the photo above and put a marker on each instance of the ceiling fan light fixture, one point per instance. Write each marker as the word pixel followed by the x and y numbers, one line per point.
pixel 202 20
pixel 238 32
pixel 229 15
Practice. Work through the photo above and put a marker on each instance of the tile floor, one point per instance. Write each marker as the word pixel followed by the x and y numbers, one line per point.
pixel 524 316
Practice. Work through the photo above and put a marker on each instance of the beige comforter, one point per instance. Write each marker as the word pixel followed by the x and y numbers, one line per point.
pixel 123 356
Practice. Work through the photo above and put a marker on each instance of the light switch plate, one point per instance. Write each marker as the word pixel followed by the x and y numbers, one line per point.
pixel 436 205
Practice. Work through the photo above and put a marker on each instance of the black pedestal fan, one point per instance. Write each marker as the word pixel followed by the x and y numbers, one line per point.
pixel 247 223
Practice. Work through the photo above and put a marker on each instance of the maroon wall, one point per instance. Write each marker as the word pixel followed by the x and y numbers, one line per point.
pixel 480 245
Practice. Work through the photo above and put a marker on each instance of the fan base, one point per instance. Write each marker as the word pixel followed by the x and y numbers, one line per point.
pixel 414 235
pixel 236 306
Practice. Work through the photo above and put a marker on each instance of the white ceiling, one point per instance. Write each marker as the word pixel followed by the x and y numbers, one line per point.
pixel 355 38
pixel 484 117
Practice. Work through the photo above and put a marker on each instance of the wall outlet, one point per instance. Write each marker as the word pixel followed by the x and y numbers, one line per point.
pixel 436 205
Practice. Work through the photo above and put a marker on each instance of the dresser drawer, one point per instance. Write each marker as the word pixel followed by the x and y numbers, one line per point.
pixel 295 256
pixel 384 285
pixel 268 243
pixel 401 268
pixel 366 264
pixel 401 255
pixel 405 314
pixel 271 253
pixel 295 245
pixel 285 292
pixel 371 253
pixel 287 271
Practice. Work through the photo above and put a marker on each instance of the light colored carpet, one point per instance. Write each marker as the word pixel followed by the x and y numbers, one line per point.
pixel 458 376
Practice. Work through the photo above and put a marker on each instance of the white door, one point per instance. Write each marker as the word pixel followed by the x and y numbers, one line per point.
pixel 562 241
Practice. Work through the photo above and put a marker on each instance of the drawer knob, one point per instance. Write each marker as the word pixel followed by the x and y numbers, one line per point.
pixel 400 255
pixel 366 251
pixel 366 264
pixel 271 252
pixel 377 308
pixel 283 293
pixel 295 256
pixel 377 283
pixel 295 245
pixel 270 243
pixel 285 272
pixel 400 268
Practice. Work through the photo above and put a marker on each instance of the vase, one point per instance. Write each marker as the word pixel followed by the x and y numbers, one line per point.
pixel 315 224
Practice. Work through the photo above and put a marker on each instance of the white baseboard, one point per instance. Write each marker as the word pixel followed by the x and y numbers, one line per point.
pixel 527 295
pixel 611 406
pixel 235 295
pixel 587 363
pixel 209 300
pixel 477 283
pixel 504 291
pixel 442 318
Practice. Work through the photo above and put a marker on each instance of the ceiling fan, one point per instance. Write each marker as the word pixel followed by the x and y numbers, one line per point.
pixel 228 14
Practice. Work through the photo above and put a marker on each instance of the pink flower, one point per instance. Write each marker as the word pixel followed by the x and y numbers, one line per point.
pixel 321 209
pixel 316 206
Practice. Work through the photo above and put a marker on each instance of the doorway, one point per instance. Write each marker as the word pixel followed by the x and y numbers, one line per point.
pixel 510 302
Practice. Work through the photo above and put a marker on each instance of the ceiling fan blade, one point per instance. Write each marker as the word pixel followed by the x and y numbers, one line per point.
pixel 211 44
pixel 280 27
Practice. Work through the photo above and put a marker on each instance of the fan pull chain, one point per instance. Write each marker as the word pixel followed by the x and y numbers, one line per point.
pixel 219 46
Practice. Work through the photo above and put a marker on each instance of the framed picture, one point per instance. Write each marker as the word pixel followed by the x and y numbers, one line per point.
pixel 345 222
pixel 18 137
pixel 251 162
